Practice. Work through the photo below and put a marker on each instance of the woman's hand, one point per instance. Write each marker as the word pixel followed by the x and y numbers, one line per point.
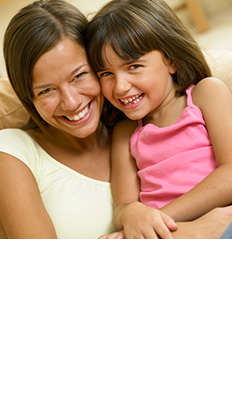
pixel 114 235
pixel 139 221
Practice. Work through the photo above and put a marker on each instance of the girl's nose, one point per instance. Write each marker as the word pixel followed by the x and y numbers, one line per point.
pixel 70 99
pixel 122 85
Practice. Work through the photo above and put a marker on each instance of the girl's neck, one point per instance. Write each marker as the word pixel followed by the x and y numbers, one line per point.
pixel 168 113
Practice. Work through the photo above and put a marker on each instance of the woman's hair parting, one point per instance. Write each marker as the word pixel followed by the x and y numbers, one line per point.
pixel 34 30
pixel 136 27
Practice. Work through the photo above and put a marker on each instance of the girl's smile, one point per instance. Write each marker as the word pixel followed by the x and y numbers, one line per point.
pixel 139 87
pixel 130 100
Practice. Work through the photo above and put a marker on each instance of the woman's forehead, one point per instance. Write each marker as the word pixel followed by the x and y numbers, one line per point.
pixel 65 57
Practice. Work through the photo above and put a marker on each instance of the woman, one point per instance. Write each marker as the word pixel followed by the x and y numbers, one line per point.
pixel 55 174
pixel 66 151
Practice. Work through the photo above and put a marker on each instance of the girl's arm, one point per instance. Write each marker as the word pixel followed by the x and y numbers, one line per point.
pixel 22 212
pixel 215 101
pixel 136 219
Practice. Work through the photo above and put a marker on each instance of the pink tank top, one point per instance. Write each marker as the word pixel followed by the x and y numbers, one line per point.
pixel 174 159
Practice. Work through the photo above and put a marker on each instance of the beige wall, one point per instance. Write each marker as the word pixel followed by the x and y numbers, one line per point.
pixel 210 7
pixel 213 6
pixel 9 7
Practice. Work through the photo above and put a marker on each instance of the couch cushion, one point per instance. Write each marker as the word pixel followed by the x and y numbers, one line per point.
pixel 220 63
pixel 12 113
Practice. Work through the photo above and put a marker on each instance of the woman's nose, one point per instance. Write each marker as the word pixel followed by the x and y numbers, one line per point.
pixel 70 99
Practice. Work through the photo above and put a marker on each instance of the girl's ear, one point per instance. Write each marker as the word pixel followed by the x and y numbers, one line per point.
pixel 172 68
pixel 170 64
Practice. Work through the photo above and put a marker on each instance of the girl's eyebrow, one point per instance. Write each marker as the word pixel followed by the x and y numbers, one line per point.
pixel 45 85
pixel 131 61
pixel 126 62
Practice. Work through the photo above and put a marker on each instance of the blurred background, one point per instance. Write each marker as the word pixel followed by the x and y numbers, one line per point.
pixel 209 20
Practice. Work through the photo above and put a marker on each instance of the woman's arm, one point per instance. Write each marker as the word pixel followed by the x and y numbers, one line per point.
pixel 215 101
pixel 22 212
pixel 136 219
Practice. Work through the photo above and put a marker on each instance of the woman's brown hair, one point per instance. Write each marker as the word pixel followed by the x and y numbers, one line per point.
pixel 34 30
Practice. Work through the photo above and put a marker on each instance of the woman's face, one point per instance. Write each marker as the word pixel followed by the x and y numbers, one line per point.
pixel 67 94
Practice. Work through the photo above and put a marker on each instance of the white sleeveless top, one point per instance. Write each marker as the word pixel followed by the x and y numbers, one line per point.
pixel 79 207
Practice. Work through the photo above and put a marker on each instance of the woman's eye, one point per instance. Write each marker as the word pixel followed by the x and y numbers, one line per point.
pixel 81 74
pixel 45 91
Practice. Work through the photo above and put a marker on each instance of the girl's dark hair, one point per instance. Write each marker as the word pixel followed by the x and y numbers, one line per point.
pixel 33 31
pixel 136 27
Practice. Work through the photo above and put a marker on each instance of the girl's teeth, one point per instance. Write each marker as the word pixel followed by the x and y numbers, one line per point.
pixel 134 100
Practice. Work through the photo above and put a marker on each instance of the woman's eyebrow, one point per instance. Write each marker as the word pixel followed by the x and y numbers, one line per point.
pixel 44 85
pixel 78 68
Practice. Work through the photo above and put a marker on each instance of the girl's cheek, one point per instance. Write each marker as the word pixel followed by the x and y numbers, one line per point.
pixel 106 90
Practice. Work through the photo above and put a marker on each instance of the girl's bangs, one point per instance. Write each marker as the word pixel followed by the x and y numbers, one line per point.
pixel 131 44
pixel 128 44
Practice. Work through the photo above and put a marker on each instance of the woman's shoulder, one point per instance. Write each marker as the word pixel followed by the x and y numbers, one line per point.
pixel 20 144
pixel 14 135
pixel 18 138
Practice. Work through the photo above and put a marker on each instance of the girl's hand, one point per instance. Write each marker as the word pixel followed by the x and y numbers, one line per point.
pixel 142 222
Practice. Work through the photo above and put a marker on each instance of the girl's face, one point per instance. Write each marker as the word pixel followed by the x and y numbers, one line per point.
pixel 67 93
pixel 138 87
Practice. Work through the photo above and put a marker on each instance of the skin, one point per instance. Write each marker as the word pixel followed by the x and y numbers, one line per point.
pixel 144 89
pixel 209 226
pixel 68 91
pixel 64 85
pixel 122 80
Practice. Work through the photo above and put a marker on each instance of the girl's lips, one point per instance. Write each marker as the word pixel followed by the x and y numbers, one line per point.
pixel 132 101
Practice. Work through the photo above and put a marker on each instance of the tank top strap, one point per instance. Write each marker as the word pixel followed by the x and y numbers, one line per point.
pixel 189 95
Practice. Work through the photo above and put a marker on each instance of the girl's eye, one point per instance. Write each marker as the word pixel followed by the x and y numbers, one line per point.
pixel 135 66
pixel 103 74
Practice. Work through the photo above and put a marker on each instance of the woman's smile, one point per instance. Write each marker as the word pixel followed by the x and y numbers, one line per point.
pixel 68 96
pixel 80 116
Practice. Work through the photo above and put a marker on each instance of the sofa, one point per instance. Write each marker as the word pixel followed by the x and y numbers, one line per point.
pixel 13 115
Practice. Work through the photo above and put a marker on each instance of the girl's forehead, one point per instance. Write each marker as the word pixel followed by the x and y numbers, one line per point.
pixel 107 53
pixel 111 55
pixel 111 51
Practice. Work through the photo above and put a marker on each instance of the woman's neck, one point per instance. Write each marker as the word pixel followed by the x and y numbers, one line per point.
pixel 62 139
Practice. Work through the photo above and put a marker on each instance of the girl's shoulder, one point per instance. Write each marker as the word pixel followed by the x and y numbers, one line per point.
pixel 207 89
pixel 125 127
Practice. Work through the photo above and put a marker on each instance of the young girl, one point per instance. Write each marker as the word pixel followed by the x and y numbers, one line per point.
pixel 180 133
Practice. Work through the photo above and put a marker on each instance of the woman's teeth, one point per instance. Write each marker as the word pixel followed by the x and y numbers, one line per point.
pixel 79 116
pixel 132 100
